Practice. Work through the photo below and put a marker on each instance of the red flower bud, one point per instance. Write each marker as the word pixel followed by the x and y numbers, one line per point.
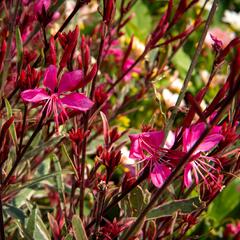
pixel 51 56
pixel 70 46
pixel 91 74
pixel 109 9
pixel 29 78
pixel 2 53
pixel 78 135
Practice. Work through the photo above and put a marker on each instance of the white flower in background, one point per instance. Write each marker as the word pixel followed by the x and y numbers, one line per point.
pixel 218 79
pixel 225 36
pixel 170 98
pixel 208 5
pixel 233 18
pixel 125 159
pixel 138 46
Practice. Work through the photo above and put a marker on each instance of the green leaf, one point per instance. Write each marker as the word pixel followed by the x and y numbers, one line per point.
pixel 68 237
pixel 32 182
pixel 136 198
pixel 22 231
pixel 22 196
pixel 36 141
pixel 41 232
pixel 59 179
pixel 141 24
pixel 37 149
pixel 168 209
pixel 31 225
pixel 225 203
pixel 15 213
pixel 66 155
pixel 19 46
pixel 182 62
pixel 78 228
pixel 12 129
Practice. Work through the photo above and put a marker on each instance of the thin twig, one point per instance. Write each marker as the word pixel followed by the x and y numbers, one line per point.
pixel 190 70
pixel 2 233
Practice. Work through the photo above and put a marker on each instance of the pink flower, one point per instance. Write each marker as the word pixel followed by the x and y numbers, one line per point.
pixel 232 230
pixel 39 5
pixel 146 147
pixel 200 165
pixel 55 99
pixel 127 64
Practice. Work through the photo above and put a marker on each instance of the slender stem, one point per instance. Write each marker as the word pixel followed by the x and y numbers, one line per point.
pixel 23 128
pixel 78 5
pixel 2 234
pixel 128 70
pixel 8 58
pixel 100 203
pixel 99 60
pixel 191 68
pixel 82 183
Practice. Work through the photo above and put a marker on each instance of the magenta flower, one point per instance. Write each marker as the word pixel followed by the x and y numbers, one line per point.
pixel 200 165
pixel 55 97
pixel 146 147
pixel 39 5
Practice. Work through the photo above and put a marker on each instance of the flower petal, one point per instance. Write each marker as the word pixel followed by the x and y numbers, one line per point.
pixel 148 141
pixel 77 101
pixel 34 95
pixel 50 78
pixel 159 174
pixel 191 135
pixel 170 140
pixel 209 142
pixel 153 139
pixel 188 175
pixel 70 81
pixel 136 151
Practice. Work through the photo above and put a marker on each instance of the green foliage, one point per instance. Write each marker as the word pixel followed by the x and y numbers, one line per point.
pixel 78 228
pixel 185 206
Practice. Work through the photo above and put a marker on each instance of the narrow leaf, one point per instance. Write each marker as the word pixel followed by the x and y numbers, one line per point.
pixel 66 155
pixel 32 222
pixel 78 228
pixel 15 213
pixel 34 181
pixel 168 209
pixel 41 232
pixel 105 127
pixel 12 127
pixel 19 46
pixel 59 180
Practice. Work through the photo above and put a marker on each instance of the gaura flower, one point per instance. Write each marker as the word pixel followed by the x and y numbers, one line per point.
pixel 200 165
pixel 146 147
pixel 39 5
pixel 55 97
